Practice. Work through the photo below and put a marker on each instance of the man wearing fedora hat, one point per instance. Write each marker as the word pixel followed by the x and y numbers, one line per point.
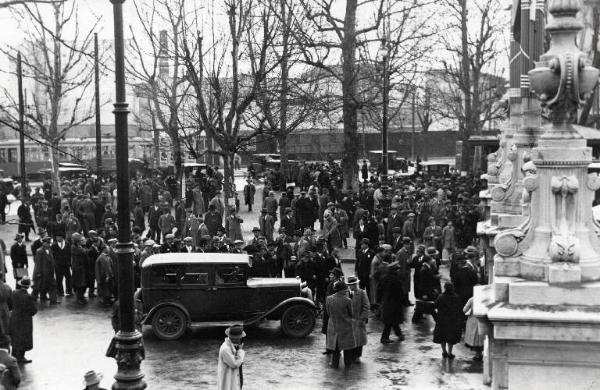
pixel 360 315
pixel 21 320
pixel 231 358
pixel 92 380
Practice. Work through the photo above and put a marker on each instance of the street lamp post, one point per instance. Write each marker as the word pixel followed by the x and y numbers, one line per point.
pixel 127 347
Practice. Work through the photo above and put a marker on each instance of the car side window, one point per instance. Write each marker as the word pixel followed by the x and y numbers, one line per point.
pixel 195 275
pixel 230 275
pixel 164 276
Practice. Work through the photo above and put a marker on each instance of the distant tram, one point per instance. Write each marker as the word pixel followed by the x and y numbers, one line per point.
pixel 75 150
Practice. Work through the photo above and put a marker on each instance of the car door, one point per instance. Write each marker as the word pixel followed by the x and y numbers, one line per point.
pixel 231 292
pixel 196 291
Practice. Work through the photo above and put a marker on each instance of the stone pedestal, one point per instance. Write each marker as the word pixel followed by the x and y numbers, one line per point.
pixel 542 311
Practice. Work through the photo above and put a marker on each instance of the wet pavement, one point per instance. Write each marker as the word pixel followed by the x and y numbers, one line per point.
pixel 69 340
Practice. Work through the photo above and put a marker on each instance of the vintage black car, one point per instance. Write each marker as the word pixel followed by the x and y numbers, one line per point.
pixel 179 289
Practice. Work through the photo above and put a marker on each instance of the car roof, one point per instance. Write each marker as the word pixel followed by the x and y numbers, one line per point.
pixel 196 258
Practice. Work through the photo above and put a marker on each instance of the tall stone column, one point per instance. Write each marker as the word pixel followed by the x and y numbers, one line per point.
pixel 543 307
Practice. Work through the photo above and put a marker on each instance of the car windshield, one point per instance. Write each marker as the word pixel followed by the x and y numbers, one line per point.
pixel 229 275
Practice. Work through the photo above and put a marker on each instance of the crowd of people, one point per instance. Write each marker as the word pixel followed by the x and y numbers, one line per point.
pixel 413 225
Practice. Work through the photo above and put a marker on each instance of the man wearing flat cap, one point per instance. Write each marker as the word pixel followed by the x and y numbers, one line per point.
pixel 231 358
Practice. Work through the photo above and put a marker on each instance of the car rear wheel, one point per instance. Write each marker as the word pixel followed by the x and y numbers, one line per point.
pixel 298 321
pixel 169 323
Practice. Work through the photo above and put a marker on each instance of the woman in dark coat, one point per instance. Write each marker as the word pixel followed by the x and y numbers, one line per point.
pixel 448 320
pixel 391 296
pixel 21 320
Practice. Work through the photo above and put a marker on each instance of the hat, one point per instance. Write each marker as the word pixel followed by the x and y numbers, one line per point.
pixel 41 230
pixel 365 241
pixel 236 242
pixel 25 282
pixel 351 280
pixel 47 239
pixel 397 230
pixel 235 331
pixel 256 229
pixel 149 243
pixel 411 215
pixel 288 210
pixel 387 247
pixel 263 210
pixel 339 286
pixel 92 232
pixel 471 248
pixel 108 220
pixel 187 239
pixel 156 246
pixel 406 239
pixel 92 378
pixel 111 240
pixel 431 251
pixel 337 272
pixel 330 204
pixel 168 236
pixel 19 236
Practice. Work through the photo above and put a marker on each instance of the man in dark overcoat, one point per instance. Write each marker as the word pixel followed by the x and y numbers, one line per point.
pixel 61 251
pixel 21 320
pixel 18 256
pixel 44 272
pixel 391 295
pixel 249 191
pixel 79 262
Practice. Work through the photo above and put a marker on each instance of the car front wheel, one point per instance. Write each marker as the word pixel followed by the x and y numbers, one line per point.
pixel 298 321
pixel 169 323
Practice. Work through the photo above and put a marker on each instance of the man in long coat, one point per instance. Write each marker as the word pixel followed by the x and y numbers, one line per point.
pixel 403 260
pixel 360 315
pixel 340 336
pixel 104 276
pixel 266 223
pixel 79 265
pixel 213 220
pixel 18 256
pixel 198 201
pixel 61 251
pixel 233 226
pixel 249 191
pixel 391 294
pixel 21 320
pixel 44 279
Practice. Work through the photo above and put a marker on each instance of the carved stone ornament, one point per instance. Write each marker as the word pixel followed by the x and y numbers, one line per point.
pixel 564 246
pixel 593 182
pixel 507 243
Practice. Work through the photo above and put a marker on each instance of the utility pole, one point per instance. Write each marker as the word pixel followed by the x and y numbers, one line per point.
pixel 97 98
pixel 24 194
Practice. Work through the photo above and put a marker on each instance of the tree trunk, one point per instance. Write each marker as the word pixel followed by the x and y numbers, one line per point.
pixel 351 144
pixel 178 163
pixel 465 77
pixel 228 177
pixel 283 95
pixel 54 165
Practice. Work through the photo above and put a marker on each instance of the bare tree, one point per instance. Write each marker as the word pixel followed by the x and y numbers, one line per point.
pixel 470 82
pixel 9 3
pixel 61 74
pixel 158 71
pixel 224 91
